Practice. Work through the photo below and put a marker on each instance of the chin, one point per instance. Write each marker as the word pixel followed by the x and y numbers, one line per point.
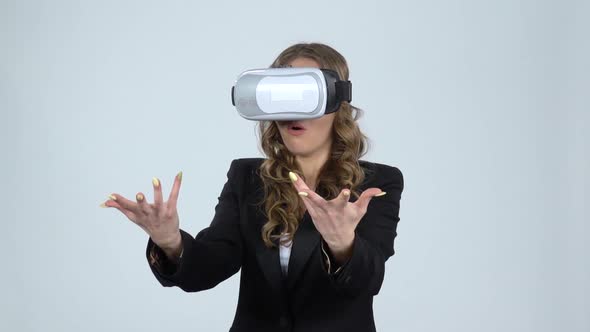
pixel 301 152
pixel 295 151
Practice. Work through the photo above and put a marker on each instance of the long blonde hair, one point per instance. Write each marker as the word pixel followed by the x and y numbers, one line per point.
pixel 283 207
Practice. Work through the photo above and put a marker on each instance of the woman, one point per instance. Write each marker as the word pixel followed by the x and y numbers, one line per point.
pixel 310 226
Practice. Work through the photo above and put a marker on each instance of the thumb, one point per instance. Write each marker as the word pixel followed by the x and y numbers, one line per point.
pixel 364 199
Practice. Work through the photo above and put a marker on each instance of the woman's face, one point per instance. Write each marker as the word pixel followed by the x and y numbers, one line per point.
pixel 317 133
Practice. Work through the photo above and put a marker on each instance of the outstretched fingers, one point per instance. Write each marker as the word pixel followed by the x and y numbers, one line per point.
pixel 173 198
pixel 157 192
pixel 125 203
pixel 114 201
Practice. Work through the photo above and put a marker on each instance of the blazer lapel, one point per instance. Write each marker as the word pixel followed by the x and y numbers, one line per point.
pixel 268 258
pixel 305 240
pixel 270 264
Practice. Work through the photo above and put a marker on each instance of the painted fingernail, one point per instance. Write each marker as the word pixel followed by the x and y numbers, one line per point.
pixel 302 193
pixel 111 196
pixel 293 176
pixel 380 194
pixel 103 205
pixel 179 176
pixel 139 197
pixel 155 182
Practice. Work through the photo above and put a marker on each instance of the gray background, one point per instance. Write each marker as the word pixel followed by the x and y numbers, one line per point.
pixel 483 105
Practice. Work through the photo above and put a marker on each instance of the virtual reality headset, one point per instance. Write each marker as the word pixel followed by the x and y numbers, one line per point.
pixel 289 93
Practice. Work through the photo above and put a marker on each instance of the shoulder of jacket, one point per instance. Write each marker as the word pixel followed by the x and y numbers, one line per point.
pixel 246 165
pixel 244 171
pixel 247 162
pixel 379 169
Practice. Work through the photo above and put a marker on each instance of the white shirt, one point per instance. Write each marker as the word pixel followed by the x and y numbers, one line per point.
pixel 284 254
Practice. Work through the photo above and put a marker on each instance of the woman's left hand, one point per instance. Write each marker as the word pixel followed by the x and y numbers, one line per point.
pixel 336 219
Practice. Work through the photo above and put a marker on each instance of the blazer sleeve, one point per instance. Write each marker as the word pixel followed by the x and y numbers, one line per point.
pixel 213 255
pixel 373 244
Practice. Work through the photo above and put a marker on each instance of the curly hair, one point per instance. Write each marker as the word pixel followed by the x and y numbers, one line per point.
pixel 283 207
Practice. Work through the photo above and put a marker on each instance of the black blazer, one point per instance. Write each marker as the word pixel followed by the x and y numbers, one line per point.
pixel 309 299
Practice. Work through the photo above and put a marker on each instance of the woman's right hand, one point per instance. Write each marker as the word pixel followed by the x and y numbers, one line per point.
pixel 159 220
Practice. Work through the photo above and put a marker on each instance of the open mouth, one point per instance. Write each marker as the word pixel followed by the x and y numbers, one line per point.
pixel 296 126
pixel 295 129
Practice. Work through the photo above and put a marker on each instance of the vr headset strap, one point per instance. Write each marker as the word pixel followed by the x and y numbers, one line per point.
pixel 344 91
